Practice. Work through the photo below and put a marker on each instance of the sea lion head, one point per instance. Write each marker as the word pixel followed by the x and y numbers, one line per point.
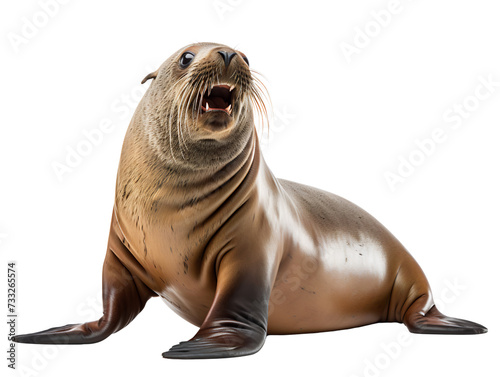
pixel 199 108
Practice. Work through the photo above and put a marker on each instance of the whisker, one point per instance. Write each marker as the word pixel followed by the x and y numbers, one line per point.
pixel 186 92
pixel 259 96
pixel 170 123
pixel 182 120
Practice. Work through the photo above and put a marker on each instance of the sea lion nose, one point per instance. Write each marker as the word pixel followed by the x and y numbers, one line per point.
pixel 227 56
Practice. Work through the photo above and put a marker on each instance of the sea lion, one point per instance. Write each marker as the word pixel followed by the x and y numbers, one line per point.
pixel 201 221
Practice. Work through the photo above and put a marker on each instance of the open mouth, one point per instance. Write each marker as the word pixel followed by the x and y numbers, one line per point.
pixel 218 98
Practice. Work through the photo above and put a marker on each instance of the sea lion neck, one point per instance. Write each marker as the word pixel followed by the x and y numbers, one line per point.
pixel 219 180
pixel 148 188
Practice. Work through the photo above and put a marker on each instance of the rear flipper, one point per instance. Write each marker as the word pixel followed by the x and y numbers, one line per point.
pixel 434 322
pixel 123 298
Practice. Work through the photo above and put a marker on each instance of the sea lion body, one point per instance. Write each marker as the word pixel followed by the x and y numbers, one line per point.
pixel 328 256
pixel 200 220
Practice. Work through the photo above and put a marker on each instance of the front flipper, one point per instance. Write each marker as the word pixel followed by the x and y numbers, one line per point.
pixel 225 339
pixel 236 324
pixel 123 298
pixel 89 332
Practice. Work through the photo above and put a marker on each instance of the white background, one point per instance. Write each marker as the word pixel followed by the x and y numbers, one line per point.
pixel 351 121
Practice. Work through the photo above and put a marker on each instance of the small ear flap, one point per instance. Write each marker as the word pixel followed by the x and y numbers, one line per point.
pixel 152 75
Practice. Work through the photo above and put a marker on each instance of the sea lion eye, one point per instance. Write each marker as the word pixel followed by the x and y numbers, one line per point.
pixel 186 59
pixel 246 60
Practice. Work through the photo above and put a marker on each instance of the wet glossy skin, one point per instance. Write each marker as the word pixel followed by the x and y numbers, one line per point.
pixel 229 247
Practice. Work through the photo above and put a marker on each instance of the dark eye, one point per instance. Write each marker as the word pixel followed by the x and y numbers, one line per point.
pixel 186 59
pixel 246 60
